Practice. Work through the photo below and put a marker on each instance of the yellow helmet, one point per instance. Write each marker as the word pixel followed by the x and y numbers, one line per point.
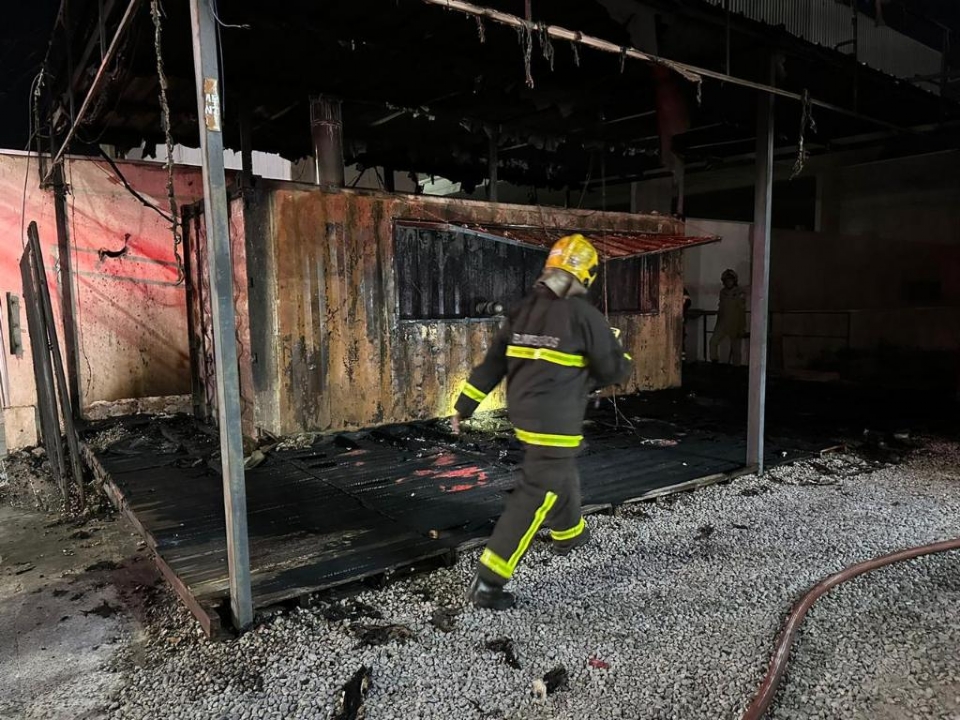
pixel 575 255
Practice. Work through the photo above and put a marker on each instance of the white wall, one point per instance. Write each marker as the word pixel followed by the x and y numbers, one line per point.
pixel 274 167
pixel 914 198
pixel 702 267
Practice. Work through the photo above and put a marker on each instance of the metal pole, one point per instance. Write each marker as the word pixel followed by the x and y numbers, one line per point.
pixel 68 41
pixel 68 295
pixel 246 144
pixel 856 54
pixel 493 162
pixel 944 70
pixel 726 41
pixel 389 181
pixel 326 125
pixel 678 185
pixel 205 63
pixel 759 299
pixel 101 30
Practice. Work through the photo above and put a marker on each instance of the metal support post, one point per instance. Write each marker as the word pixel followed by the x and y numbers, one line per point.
pixel 493 161
pixel 205 62
pixel 678 185
pixel 726 39
pixel 759 286
pixel 101 30
pixel 326 125
pixel 68 296
pixel 246 145
pixel 856 54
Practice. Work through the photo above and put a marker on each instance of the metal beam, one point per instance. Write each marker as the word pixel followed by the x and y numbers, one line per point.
pixel 759 285
pixel 98 81
pixel 220 263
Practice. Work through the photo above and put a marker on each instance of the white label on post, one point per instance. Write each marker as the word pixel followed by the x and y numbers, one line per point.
pixel 211 104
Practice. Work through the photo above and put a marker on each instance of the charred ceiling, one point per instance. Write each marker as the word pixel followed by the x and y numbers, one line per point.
pixel 424 88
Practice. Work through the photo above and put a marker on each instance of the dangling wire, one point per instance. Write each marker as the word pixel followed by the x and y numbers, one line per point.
pixel 525 35
pixel 617 413
pixel 545 44
pixel 806 121
pixel 155 13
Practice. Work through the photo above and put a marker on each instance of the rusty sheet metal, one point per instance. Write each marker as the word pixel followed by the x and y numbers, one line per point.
pixel 328 348
pixel 200 319
pixel 609 244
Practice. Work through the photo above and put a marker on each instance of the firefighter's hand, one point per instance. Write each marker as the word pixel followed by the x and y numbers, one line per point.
pixel 455 424
pixel 616 332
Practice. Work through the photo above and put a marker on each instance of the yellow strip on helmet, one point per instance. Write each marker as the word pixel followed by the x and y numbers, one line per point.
pixel 575 255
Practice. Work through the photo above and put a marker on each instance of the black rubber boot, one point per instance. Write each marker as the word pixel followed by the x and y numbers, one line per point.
pixel 488 596
pixel 565 547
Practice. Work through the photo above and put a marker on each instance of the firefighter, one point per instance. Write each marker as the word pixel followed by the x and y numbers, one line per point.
pixel 554 348
pixel 731 318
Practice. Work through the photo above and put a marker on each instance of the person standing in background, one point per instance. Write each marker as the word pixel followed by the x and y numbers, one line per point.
pixel 731 318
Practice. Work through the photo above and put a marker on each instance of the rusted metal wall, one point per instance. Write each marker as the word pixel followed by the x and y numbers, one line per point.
pixel 328 348
pixel 200 318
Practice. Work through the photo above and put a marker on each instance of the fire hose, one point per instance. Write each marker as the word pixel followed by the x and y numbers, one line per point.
pixel 778 663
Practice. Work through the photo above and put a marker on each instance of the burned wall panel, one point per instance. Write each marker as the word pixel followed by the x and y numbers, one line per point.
pixel 333 350
pixel 200 318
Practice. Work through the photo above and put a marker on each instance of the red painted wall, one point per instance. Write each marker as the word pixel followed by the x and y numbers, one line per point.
pixel 131 309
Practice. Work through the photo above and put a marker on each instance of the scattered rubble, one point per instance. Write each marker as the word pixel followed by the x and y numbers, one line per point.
pixel 506 647
pixel 350 704
pixel 444 619
pixel 374 635
pixel 556 680
pixel 26 483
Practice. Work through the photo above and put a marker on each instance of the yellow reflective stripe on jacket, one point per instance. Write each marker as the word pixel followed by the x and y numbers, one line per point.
pixel 532 438
pixel 471 392
pixel 569 534
pixel 505 568
pixel 554 356
pixel 628 356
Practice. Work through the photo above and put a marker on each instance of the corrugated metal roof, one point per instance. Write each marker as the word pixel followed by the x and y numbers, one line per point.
pixel 829 23
pixel 613 244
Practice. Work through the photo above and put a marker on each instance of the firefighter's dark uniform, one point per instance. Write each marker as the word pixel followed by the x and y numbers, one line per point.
pixel 553 351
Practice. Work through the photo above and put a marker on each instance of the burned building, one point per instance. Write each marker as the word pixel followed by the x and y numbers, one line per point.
pixel 299 304
pixel 357 309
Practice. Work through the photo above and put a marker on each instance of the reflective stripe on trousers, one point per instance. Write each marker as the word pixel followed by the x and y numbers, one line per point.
pixel 505 568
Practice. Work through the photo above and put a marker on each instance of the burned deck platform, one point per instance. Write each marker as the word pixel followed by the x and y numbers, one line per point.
pixel 347 507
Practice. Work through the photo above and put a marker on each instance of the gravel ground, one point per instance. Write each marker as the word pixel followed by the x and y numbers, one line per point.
pixel 670 613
